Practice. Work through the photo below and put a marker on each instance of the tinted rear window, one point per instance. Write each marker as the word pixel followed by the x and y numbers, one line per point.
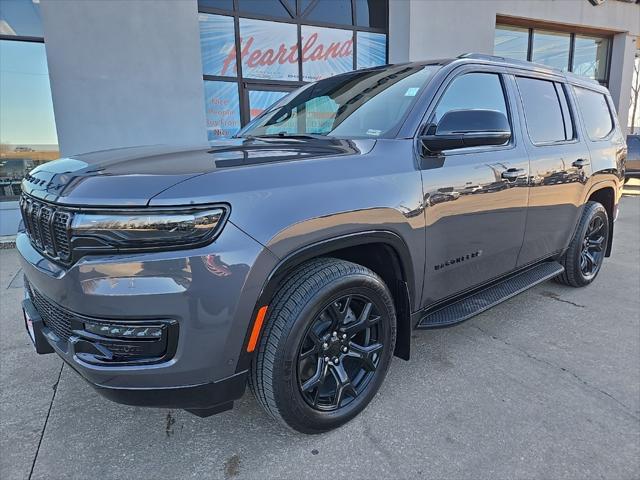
pixel 595 113
pixel 543 111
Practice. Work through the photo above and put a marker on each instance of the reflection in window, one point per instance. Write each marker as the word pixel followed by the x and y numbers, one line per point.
pixel 219 4
pixel 325 52
pixel 269 50
pixel 217 45
pixel 595 112
pixel 590 57
pixel 336 11
pixel 511 42
pixel 552 49
pixel 372 49
pixel 272 8
pixel 361 104
pixel 260 100
pixel 372 13
pixel 542 110
pixel 27 126
pixel 222 108
pixel 20 17
pixel 462 94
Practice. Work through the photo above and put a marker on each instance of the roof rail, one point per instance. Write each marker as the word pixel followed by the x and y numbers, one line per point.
pixel 530 65
pixel 512 61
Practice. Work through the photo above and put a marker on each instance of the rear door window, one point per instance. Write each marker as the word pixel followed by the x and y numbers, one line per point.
pixel 545 110
pixel 595 113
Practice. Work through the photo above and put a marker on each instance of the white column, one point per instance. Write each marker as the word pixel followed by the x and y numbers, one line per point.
pixel 124 73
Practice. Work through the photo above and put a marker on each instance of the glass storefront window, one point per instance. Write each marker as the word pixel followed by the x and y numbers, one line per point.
pixel 371 13
pixel 325 52
pixel 219 4
pixel 337 11
pixel 217 45
pixel 21 18
pixel 272 8
pixel 255 50
pixel 222 106
pixel 27 126
pixel 590 54
pixel 511 42
pixel 590 57
pixel 372 49
pixel 552 49
pixel 269 50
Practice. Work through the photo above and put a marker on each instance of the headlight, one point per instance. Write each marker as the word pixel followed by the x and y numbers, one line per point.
pixel 145 229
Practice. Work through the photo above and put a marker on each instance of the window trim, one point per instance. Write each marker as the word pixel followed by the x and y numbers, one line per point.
pixel 555 84
pixel 297 20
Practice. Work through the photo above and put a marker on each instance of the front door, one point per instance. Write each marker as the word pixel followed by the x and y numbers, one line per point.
pixel 476 197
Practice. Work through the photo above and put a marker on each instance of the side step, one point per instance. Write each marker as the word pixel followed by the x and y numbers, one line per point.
pixel 467 307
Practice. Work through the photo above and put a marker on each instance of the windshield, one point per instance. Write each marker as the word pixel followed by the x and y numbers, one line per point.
pixel 361 104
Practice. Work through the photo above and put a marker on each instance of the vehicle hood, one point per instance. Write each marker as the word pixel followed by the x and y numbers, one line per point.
pixel 133 176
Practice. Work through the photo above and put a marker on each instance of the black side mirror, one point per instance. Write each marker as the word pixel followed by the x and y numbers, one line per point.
pixel 467 128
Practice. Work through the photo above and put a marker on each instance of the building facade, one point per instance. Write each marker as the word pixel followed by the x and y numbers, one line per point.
pixel 85 76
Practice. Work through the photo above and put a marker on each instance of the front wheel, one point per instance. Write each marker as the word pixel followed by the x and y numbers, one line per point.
pixel 328 341
pixel 583 259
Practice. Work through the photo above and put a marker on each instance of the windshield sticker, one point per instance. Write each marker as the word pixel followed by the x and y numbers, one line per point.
pixel 374 132
pixel 411 92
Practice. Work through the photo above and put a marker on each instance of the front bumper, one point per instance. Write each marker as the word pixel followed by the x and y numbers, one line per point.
pixel 208 293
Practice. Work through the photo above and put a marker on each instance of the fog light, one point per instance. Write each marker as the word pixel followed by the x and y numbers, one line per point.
pixel 141 332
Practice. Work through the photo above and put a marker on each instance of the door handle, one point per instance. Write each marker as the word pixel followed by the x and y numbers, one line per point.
pixel 513 173
pixel 581 162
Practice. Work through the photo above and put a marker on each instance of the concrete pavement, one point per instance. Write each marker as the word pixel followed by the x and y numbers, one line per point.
pixel 546 385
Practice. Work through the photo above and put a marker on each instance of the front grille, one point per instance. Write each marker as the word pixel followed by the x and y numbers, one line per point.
pixel 47 227
pixel 52 315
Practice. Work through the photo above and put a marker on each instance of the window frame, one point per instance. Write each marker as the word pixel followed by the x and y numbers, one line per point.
pixel 556 84
pixel 297 19
pixel 501 73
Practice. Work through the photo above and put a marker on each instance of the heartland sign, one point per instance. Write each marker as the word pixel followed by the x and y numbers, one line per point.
pixel 313 50
pixel 270 50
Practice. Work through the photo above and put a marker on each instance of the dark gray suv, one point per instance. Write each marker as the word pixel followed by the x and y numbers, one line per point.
pixel 298 256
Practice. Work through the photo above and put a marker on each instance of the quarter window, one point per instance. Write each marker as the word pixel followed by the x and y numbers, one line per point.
pixel 473 91
pixel 595 113
pixel 543 110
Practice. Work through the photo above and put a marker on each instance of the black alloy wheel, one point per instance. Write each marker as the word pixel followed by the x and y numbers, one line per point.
pixel 584 257
pixel 593 247
pixel 340 353
pixel 326 345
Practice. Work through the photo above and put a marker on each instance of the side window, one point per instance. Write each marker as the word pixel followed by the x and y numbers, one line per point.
pixel 544 111
pixel 481 91
pixel 595 112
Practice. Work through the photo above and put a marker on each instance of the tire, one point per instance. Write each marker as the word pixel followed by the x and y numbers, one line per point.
pixel 290 375
pixel 576 272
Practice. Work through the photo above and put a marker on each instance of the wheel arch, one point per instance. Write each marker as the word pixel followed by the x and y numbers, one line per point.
pixel 383 252
pixel 605 194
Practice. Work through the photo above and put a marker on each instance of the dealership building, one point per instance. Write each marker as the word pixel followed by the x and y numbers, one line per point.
pixel 78 76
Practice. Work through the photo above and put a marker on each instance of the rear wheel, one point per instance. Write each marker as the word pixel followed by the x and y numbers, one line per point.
pixel 584 257
pixel 327 344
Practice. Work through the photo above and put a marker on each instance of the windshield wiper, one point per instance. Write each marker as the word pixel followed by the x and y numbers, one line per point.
pixel 313 136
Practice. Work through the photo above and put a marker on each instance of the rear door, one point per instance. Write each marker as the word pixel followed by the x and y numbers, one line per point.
pixel 560 166
pixel 475 197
